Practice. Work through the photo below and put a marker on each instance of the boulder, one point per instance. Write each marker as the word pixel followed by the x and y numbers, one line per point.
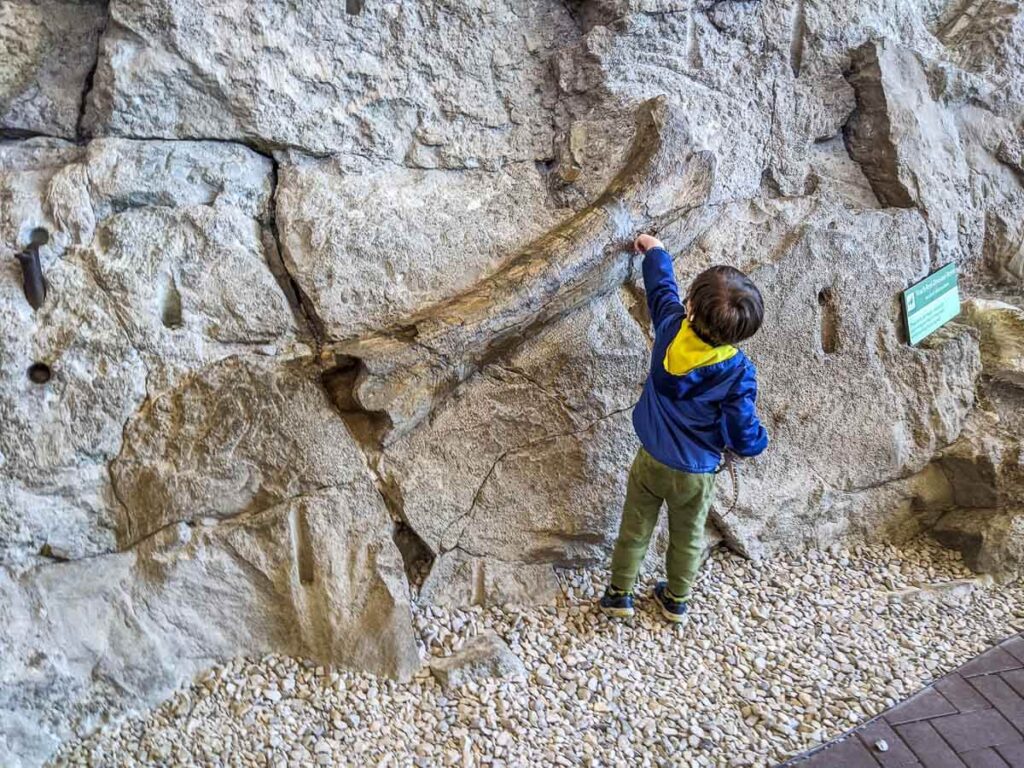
pixel 50 49
pixel 484 656
pixel 316 576
pixel 357 242
pixel 432 85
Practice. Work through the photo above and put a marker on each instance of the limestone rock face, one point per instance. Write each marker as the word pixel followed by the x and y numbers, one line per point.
pixel 472 480
pixel 58 434
pixel 921 146
pixel 155 267
pixel 49 51
pixel 435 85
pixel 334 295
pixel 316 576
pixel 984 468
pixel 831 341
pixel 236 438
pixel 359 246
pixel 991 543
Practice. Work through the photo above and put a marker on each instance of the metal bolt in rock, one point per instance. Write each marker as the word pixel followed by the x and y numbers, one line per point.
pixel 32 270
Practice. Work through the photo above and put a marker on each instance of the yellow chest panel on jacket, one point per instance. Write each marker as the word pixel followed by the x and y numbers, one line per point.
pixel 686 352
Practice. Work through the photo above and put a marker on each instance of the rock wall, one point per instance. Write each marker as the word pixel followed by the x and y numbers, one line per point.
pixel 340 310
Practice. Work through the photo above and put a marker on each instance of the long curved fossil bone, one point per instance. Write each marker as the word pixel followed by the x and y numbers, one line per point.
pixel 407 370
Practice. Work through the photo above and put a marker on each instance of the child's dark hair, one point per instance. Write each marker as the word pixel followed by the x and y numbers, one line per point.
pixel 724 306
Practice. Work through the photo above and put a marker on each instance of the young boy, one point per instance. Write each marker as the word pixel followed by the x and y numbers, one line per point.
pixel 698 401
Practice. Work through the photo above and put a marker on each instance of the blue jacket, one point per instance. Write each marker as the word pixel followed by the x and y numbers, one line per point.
pixel 698 400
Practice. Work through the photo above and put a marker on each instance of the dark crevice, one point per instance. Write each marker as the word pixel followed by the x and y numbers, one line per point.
pixel 796 44
pixel 302 308
pixel 829 320
pixel 366 427
pixel 303 546
pixel 87 85
pixel 417 558
pixel 19 134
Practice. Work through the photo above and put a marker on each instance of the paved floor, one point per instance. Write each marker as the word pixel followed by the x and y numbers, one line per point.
pixel 971 718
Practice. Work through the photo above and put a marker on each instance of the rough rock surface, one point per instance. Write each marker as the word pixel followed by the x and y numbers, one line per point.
pixel 438 85
pixel 984 468
pixel 49 51
pixel 369 246
pixel 484 656
pixel 155 267
pixel 316 576
pixel 1001 326
pixel 339 295
pixel 470 480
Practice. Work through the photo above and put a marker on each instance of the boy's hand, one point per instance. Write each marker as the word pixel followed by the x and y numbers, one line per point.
pixel 644 243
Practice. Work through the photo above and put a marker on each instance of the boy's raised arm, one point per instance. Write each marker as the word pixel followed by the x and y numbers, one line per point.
pixel 659 279
pixel 744 433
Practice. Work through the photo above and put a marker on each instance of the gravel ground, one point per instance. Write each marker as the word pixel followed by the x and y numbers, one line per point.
pixel 776 658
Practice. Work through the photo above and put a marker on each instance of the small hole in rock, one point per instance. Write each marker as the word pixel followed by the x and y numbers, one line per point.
pixel 829 321
pixel 39 373
pixel 170 313
pixel 353 7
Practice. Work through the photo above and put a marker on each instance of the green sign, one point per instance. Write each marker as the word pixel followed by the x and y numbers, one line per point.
pixel 931 303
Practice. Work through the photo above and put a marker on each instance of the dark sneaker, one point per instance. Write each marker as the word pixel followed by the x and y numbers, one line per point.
pixel 672 608
pixel 617 604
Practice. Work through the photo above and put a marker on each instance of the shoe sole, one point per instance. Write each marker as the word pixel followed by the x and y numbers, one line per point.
pixel 618 613
pixel 675 618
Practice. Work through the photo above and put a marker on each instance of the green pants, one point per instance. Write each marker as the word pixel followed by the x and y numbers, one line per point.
pixel 688 496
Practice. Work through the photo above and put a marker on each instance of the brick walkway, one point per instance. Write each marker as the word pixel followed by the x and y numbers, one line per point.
pixel 971 718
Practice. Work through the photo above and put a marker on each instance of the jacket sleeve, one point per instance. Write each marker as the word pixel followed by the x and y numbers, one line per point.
pixel 660 286
pixel 744 433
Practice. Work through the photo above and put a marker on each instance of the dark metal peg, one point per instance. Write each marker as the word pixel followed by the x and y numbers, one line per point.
pixel 32 270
